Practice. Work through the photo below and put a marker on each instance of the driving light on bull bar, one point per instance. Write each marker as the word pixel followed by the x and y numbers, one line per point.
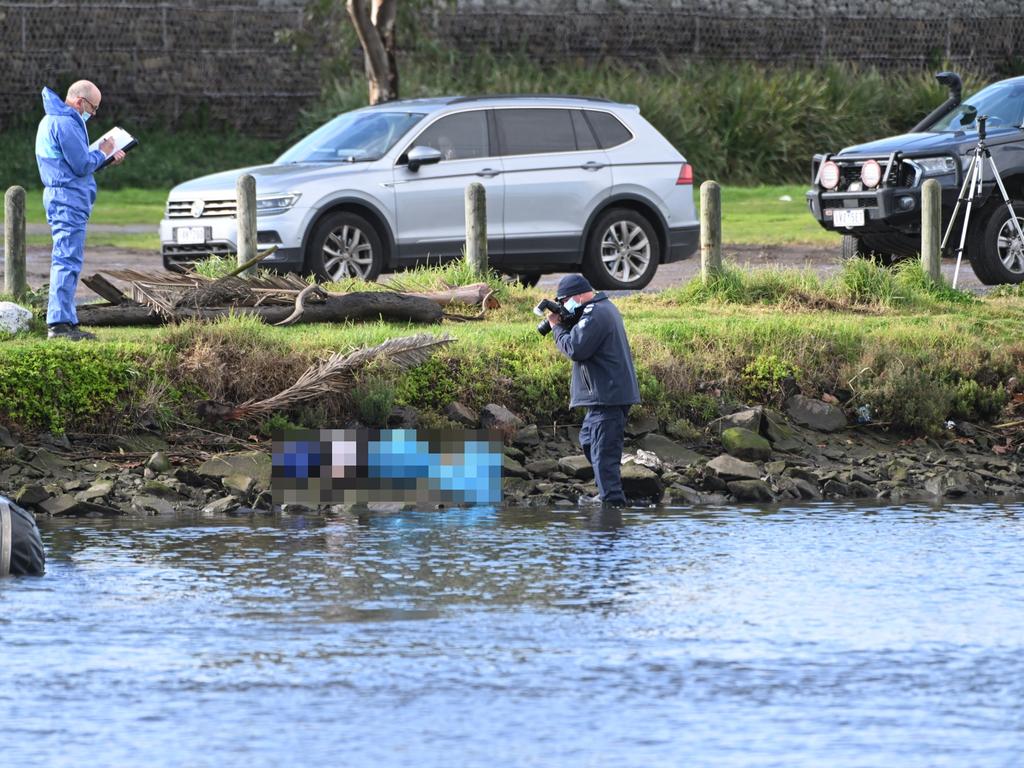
pixel 268 206
pixel 871 173
pixel 828 176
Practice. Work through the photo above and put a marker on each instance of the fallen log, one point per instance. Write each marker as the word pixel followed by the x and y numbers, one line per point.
pixel 477 294
pixel 364 305
pixel 105 289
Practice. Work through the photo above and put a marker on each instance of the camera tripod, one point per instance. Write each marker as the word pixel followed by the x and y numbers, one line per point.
pixel 971 191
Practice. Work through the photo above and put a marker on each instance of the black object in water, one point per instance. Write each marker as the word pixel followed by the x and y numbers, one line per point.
pixel 21 547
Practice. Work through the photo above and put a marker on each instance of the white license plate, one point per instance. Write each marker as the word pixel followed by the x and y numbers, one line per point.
pixel 190 235
pixel 848 217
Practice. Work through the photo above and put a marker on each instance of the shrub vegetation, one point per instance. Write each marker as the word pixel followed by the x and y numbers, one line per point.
pixel 915 355
pixel 738 123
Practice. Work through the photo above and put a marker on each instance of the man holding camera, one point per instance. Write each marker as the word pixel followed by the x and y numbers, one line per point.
pixel 603 379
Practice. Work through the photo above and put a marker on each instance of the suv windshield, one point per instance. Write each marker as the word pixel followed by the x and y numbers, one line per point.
pixel 352 137
pixel 1002 102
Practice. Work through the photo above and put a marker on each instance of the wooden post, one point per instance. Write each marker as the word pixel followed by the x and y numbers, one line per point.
pixel 710 230
pixel 476 229
pixel 14 243
pixel 931 229
pixel 245 190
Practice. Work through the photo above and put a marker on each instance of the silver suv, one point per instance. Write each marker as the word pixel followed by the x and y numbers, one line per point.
pixel 572 183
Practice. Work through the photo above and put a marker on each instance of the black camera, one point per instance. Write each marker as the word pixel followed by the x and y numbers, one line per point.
pixel 567 318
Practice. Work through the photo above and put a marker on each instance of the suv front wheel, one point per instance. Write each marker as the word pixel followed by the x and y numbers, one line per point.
pixel 854 248
pixel 997 253
pixel 344 245
pixel 622 251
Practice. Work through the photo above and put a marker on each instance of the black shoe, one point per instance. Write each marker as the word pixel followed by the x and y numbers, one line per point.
pixel 68 332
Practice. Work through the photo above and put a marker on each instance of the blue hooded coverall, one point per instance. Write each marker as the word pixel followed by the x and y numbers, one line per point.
pixel 603 380
pixel 66 167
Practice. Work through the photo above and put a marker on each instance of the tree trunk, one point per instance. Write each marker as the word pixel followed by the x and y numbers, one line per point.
pixel 374 21
pixel 477 294
pixel 366 305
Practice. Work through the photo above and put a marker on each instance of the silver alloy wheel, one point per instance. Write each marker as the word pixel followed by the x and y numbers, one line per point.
pixel 347 253
pixel 625 251
pixel 1010 247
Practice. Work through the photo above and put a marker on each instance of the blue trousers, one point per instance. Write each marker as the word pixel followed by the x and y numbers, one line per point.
pixel 601 437
pixel 65 267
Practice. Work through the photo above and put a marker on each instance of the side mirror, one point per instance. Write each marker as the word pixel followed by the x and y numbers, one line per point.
pixel 422 156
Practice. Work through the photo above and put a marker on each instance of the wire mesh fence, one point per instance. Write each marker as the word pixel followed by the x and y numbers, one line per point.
pixel 232 63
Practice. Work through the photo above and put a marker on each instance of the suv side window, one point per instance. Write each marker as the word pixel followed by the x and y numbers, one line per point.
pixel 535 131
pixel 609 131
pixel 458 137
pixel 584 136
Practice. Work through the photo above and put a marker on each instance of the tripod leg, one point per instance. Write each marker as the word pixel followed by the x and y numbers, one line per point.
pixel 975 192
pixel 967 185
pixel 1009 206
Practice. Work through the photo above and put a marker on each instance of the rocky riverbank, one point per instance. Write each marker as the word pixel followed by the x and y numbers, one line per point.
pixel 807 452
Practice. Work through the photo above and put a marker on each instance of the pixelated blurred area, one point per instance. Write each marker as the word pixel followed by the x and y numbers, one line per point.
pixel 350 466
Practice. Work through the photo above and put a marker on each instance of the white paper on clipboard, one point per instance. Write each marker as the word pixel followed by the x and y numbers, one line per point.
pixel 123 141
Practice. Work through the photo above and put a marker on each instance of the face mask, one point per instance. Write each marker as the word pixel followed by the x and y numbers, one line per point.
pixel 571 305
pixel 86 116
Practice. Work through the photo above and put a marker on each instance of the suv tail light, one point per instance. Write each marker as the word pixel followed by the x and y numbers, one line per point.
pixel 685 174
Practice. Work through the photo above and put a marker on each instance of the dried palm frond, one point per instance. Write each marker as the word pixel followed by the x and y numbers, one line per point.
pixel 329 375
pixel 300 300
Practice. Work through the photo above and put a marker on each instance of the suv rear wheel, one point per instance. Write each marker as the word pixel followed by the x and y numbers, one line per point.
pixel 622 251
pixel 997 253
pixel 526 279
pixel 344 245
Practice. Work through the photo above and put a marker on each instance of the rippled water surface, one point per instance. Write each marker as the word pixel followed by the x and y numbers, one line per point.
pixel 810 636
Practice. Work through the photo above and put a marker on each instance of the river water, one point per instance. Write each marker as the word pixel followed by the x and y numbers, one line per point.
pixel 823 635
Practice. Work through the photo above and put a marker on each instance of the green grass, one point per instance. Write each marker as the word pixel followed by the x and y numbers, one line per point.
pixel 916 354
pixel 750 215
pixel 125 241
pixel 860 284
pixel 757 215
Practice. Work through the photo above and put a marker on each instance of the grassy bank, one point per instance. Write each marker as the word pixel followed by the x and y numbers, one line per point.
pixel 750 215
pixel 915 355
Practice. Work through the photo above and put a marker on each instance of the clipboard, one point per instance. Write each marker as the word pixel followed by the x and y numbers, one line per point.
pixel 123 141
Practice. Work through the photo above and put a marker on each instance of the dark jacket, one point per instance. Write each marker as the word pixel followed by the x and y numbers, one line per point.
pixel 66 164
pixel 602 370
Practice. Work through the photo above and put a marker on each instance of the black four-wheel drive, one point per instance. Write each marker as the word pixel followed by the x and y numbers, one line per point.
pixel 871 193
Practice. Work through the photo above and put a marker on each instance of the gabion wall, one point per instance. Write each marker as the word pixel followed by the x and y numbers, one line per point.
pixel 229 62
pixel 983 35
pixel 159 61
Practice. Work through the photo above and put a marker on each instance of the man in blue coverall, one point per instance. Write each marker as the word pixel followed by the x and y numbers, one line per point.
pixel 603 379
pixel 66 166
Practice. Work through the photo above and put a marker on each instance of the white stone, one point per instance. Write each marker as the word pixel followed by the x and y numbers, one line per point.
pixel 14 318
pixel 644 459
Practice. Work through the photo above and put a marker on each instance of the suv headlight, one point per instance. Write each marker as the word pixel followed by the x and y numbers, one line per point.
pixel 936 166
pixel 273 204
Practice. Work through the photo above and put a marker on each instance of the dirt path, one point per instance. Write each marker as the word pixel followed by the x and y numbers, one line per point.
pixel 823 260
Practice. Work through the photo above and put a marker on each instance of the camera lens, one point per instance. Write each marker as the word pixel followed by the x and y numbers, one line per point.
pixel 543 327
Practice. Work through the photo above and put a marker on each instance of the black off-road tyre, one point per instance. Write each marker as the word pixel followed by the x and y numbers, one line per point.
pixel 854 248
pixel 996 253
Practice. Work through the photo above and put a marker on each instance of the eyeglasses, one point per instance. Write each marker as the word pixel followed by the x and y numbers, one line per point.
pixel 95 108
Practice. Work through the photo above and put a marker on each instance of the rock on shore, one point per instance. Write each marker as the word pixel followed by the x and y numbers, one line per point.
pixel 755 455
